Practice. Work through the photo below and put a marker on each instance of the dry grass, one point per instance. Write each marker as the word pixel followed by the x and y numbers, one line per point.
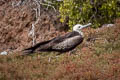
pixel 97 59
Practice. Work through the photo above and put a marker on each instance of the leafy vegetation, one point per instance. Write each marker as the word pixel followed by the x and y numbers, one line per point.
pixel 97 12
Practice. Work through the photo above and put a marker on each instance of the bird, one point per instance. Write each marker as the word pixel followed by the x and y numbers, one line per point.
pixel 60 44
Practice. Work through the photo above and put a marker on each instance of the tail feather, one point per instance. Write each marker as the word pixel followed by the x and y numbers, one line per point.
pixel 32 49
pixel 28 51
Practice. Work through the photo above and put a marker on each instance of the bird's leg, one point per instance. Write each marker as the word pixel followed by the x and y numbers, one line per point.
pixel 71 52
pixel 49 59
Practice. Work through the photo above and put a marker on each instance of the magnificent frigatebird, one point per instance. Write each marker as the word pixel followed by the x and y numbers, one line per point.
pixel 62 43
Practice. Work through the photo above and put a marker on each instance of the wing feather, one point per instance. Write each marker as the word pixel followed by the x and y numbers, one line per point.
pixel 69 43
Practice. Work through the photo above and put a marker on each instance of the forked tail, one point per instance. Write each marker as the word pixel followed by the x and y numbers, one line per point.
pixel 32 49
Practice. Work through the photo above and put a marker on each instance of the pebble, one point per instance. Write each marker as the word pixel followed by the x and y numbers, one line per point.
pixel 4 53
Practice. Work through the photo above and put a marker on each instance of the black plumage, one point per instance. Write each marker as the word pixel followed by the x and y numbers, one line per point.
pixel 58 44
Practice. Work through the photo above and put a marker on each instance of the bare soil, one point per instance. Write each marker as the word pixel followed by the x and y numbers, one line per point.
pixel 16 23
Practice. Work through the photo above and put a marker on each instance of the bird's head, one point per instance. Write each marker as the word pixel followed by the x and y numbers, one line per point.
pixel 78 27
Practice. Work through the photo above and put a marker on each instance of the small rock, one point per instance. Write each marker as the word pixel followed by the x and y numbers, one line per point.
pixel 108 25
pixel 4 53
pixel 59 0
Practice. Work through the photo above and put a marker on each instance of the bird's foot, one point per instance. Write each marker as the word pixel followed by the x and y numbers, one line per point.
pixel 72 52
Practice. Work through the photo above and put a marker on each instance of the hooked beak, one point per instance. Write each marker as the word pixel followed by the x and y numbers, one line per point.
pixel 84 26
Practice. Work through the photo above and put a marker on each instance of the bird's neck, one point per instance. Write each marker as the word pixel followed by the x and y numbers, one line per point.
pixel 80 32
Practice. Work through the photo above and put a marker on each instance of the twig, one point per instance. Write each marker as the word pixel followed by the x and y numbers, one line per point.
pixel 49 5
pixel 33 33
pixel 38 13
pixel 38 6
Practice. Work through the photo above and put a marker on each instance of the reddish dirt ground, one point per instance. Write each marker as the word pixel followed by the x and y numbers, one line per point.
pixel 16 23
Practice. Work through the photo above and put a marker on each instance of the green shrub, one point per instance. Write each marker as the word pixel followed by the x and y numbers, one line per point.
pixel 97 12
